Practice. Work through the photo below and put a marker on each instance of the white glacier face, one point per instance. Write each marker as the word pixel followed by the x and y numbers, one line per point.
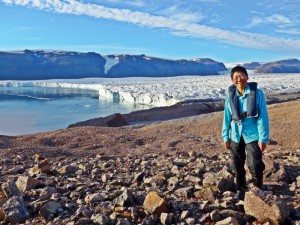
pixel 168 90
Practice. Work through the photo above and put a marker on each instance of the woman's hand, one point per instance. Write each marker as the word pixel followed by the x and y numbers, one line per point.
pixel 227 144
pixel 262 146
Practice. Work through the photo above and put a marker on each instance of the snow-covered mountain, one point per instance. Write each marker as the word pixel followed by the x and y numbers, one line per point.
pixel 40 64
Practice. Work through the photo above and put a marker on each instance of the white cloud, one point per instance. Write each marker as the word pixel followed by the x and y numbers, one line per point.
pixel 289 31
pixel 176 13
pixel 291 6
pixel 238 38
pixel 277 19
pixel 136 3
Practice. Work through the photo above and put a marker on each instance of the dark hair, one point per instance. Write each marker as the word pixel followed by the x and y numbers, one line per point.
pixel 238 69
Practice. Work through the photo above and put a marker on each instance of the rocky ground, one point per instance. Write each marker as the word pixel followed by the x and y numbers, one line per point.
pixel 171 172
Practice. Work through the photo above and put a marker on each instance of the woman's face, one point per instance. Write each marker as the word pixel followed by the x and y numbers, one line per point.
pixel 239 79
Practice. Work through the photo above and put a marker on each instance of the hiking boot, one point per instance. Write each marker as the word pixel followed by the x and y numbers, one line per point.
pixel 240 195
pixel 258 182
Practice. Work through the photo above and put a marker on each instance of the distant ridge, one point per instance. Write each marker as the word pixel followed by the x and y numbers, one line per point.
pixel 282 66
pixel 40 64
pixel 252 65
pixel 51 64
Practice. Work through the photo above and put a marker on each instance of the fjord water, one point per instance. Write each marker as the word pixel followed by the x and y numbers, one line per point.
pixel 25 110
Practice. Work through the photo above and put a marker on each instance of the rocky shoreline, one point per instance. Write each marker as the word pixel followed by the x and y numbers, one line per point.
pixel 179 110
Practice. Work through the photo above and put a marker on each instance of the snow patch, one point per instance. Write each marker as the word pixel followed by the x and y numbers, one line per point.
pixel 110 62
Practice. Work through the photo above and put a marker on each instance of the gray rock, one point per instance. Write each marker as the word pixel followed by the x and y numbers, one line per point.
pixel 138 177
pixel 93 198
pixel 99 219
pixel 221 181
pixel 125 199
pixel 241 217
pixel 166 218
pixel 14 170
pixel 15 210
pixel 123 222
pixel 228 221
pixel 10 189
pixel 190 221
pixel 150 220
pixel 274 171
pixel 172 183
pixel 179 163
pixel 67 170
pixel 49 209
pixel 185 192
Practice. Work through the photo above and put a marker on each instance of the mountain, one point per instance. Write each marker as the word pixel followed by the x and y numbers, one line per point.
pixel 251 66
pixel 31 65
pixel 282 66
pixel 39 64
pixel 141 65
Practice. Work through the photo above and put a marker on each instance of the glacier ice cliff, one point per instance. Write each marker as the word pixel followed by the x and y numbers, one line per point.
pixel 168 90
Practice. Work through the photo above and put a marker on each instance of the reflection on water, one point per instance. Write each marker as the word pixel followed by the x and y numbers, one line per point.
pixel 25 110
pixel 42 93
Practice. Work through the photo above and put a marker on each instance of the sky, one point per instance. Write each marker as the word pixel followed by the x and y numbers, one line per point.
pixel 223 30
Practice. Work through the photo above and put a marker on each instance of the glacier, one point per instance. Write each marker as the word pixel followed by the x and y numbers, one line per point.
pixel 166 91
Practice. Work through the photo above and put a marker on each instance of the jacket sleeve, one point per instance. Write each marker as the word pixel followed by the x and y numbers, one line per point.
pixel 226 120
pixel 263 118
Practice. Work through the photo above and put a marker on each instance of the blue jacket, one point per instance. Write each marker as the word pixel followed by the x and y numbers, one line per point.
pixel 252 128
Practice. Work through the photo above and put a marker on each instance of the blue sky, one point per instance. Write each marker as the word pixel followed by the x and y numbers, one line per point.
pixel 226 31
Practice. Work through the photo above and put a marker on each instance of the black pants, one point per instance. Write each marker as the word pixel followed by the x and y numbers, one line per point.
pixel 256 166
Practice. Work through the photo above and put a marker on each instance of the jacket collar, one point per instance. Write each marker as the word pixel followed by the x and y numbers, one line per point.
pixel 247 91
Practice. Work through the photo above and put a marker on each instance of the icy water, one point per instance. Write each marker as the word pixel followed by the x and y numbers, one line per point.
pixel 26 110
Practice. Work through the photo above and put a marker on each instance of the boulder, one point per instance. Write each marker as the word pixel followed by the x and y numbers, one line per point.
pixel 265 206
pixel 117 120
pixel 49 209
pixel 15 210
pixel 221 181
pixel 68 170
pixel 25 183
pixel 154 204
pixel 41 167
pixel 93 198
pixel 125 199
pixel 205 194
pixel 274 171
